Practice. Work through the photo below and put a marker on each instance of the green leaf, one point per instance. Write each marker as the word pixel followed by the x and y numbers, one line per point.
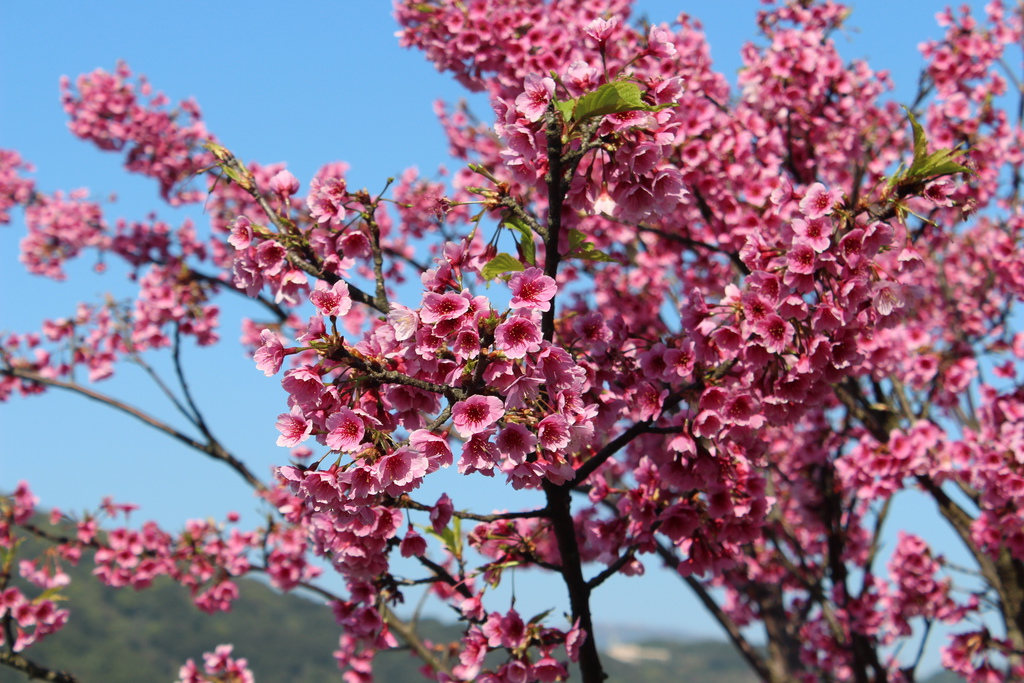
pixel 920 143
pixel 457 531
pixel 526 245
pixel 451 536
pixel 50 594
pixel 580 248
pixel 612 98
pixel 939 163
pixel 502 263
pixel 566 108
pixel 576 240
pixel 895 178
pixel 540 617
pixel 495 569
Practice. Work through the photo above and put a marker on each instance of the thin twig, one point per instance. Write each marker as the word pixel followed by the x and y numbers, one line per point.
pixel 613 568
pixel 409 503
pixel 754 659
pixel 610 449
pixel 33 670
pixel 214 450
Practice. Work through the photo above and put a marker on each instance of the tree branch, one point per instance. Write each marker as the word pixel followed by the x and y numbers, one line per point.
pixel 610 449
pixel 33 670
pixel 409 503
pixel 754 659
pixel 213 450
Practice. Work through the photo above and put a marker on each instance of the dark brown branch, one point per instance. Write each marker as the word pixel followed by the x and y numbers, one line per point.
pixel 33 670
pixel 274 308
pixel 444 575
pixel 610 449
pixel 196 416
pixel 372 371
pixel 410 504
pixel 692 243
pixel 556 194
pixel 559 502
pixel 356 294
pixel 521 213
pixel 613 568
pixel 380 298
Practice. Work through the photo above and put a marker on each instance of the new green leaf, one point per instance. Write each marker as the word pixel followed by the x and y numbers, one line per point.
pixel 939 163
pixel 580 248
pixel 502 263
pixel 612 98
pixel 526 245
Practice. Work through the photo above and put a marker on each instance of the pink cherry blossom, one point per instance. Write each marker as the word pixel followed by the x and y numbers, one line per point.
pixel 270 356
pixel 401 470
pixel 284 184
pixel 331 300
pixel 553 432
pixel 440 307
pixel 818 201
pixel 816 232
pixel 517 336
pixel 534 101
pixel 516 442
pixel 441 513
pixel 241 233
pixel 532 289
pixel 476 413
pixel 345 431
pixel 294 429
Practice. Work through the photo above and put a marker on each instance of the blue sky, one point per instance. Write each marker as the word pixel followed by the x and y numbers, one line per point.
pixel 316 82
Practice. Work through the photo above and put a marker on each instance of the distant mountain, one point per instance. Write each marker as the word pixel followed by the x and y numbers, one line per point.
pixel 123 636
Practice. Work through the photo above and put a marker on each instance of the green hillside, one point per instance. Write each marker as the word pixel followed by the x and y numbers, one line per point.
pixel 124 636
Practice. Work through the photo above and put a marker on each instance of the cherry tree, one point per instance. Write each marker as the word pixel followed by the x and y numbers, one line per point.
pixel 719 329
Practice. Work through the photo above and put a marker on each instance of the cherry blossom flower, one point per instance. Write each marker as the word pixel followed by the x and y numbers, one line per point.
pixel 776 333
pixel 331 300
pixel 601 29
pixel 434 447
pixel 887 296
pixel 659 43
pixel 532 289
pixel 270 356
pixel 345 430
pixel 404 321
pixel 294 428
pixel 533 102
pixel 413 545
pixel 476 413
pixel 815 232
pixel 326 200
pixel 284 184
pixel 241 233
pixel 553 432
pixel 517 336
pixel 441 513
pixel 402 470
pixel 439 307
pixel 818 201
pixel 479 454
pixel 516 442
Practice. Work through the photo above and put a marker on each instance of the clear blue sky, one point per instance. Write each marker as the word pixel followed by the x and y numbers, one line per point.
pixel 305 83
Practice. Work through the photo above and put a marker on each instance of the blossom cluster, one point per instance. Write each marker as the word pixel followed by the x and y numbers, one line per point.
pixel 734 327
